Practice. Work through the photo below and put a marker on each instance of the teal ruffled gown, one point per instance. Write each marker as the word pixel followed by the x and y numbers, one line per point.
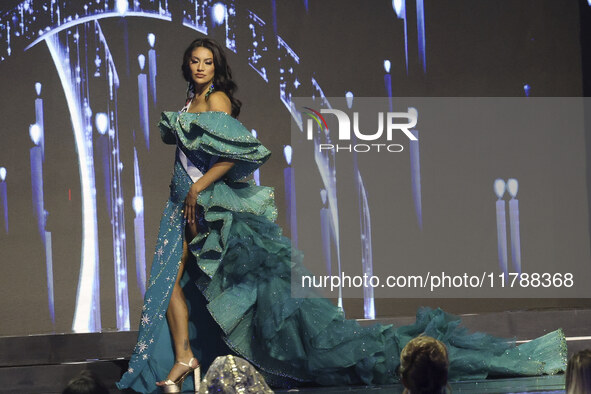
pixel 239 297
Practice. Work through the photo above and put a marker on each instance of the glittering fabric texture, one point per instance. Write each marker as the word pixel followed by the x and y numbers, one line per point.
pixel 233 375
pixel 238 290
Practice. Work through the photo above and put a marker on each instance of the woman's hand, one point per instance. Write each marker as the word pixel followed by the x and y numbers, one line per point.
pixel 217 171
pixel 191 204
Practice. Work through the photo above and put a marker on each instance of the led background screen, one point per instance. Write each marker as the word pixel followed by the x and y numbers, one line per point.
pixel 84 175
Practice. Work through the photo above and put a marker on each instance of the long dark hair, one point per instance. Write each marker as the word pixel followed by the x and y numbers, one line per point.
pixel 222 79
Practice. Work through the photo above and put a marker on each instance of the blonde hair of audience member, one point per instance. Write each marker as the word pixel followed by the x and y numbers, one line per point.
pixel 423 366
pixel 578 373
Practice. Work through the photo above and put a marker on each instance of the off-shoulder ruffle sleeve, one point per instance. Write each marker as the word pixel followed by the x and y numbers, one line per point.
pixel 215 134
pixel 166 124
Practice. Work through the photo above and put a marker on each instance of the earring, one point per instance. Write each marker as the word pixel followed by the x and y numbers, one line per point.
pixel 209 91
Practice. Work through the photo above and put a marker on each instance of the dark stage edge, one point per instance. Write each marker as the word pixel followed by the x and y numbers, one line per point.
pixel 45 363
pixel 543 384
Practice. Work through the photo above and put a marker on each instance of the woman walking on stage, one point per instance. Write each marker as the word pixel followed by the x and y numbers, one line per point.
pixel 221 275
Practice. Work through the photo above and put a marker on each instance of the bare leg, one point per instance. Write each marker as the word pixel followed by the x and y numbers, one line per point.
pixel 178 314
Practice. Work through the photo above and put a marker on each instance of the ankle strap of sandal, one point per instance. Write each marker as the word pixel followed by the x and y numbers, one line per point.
pixel 188 364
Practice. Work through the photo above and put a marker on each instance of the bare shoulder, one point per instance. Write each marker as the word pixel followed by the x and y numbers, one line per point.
pixel 219 101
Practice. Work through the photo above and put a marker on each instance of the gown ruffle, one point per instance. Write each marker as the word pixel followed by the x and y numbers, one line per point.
pixel 239 293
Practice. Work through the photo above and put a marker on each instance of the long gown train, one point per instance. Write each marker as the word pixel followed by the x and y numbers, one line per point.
pixel 239 298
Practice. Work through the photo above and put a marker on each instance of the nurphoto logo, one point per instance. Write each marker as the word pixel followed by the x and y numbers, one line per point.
pixel 344 130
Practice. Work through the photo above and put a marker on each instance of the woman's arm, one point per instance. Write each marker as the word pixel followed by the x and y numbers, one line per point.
pixel 217 171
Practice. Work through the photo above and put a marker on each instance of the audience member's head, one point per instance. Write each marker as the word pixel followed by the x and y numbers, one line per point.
pixel 423 366
pixel 578 373
pixel 85 383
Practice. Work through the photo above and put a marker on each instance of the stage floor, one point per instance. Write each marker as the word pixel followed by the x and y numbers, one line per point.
pixel 543 384
pixel 45 363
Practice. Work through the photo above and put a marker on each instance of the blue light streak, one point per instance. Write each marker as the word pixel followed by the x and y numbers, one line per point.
pixel 256 174
pixel 415 178
pixel 369 308
pixel 142 88
pixel 512 187
pixel 421 34
pixel 4 197
pixel 139 231
pixel 290 196
pixel 152 68
pixel 326 163
pixel 87 310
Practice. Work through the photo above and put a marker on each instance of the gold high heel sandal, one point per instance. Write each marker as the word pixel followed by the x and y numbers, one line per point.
pixel 177 386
